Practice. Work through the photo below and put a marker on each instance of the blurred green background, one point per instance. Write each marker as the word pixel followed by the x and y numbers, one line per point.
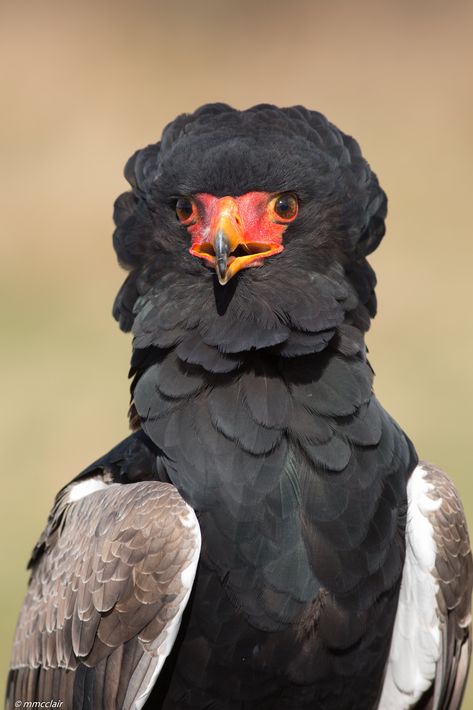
pixel 85 84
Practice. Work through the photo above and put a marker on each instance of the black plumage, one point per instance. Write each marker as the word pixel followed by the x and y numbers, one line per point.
pixel 254 399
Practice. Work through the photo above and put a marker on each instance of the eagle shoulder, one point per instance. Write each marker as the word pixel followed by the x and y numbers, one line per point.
pixel 431 643
pixel 110 582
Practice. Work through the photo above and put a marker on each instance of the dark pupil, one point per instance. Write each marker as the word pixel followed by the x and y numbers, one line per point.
pixel 183 208
pixel 286 206
pixel 283 205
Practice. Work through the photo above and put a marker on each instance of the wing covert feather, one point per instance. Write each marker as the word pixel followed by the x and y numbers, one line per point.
pixel 454 574
pixel 106 597
pixel 431 644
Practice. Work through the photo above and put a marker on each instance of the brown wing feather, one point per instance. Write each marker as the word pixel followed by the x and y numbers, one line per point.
pixel 105 596
pixel 454 572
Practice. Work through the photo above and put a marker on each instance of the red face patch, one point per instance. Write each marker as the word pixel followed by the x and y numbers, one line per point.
pixel 232 233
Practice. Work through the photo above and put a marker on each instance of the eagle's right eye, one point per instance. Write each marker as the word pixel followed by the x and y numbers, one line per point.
pixel 185 210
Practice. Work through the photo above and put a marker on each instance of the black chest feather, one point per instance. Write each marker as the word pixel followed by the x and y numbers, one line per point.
pixel 298 477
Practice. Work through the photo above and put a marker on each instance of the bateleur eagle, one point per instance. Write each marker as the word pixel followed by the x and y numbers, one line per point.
pixel 266 539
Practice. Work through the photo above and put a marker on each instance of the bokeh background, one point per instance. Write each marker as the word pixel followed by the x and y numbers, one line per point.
pixel 85 84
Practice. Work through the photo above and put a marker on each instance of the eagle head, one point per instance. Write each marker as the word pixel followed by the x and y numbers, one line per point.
pixel 256 219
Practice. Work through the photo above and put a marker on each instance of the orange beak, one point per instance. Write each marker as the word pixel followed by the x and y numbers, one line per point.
pixel 228 250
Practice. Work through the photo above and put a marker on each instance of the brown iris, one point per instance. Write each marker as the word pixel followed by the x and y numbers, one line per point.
pixel 185 209
pixel 286 206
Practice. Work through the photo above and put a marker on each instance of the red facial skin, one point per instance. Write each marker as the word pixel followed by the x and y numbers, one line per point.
pixel 249 221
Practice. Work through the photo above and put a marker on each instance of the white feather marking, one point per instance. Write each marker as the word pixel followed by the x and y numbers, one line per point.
pixel 169 635
pixel 85 488
pixel 416 645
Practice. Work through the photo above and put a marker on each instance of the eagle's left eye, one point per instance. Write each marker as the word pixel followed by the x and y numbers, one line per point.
pixel 286 206
pixel 185 210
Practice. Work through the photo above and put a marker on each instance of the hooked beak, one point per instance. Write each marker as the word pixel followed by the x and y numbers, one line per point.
pixel 228 248
pixel 222 249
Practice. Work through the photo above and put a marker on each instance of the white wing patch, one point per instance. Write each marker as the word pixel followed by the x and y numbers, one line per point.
pixel 164 645
pixel 85 488
pixel 416 645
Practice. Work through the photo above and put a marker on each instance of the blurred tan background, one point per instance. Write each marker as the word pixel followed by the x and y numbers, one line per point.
pixel 85 84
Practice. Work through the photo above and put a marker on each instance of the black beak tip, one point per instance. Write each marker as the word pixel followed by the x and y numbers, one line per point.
pixel 221 270
pixel 222 250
